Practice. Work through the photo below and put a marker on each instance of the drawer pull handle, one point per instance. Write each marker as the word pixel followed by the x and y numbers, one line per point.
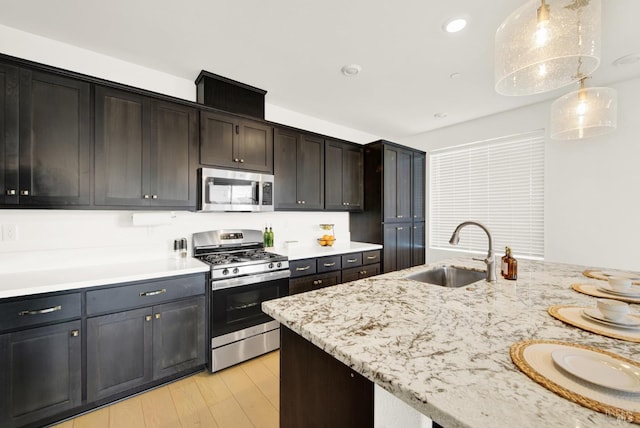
pixel 400 216
pixel 317 282
pixel 147 318
pixel 11 192
pixel 298 269
pixel 41 311
pixel 75 333
pixel 329 264
pixel 372 257
pixel 352 260
pixel 363 272
pixel 153 293
pixel 157 316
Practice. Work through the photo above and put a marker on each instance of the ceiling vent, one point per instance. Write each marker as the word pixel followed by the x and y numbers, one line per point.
pixel 229 95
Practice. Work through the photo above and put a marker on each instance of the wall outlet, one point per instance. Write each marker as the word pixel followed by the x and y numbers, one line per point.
pixel 9 232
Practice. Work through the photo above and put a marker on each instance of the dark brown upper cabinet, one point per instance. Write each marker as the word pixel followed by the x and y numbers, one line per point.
pixel 298 170
pixel 231 142
pixel 343 176
pixel 418 183
pixel 145 151
pixel 397 184
pixel 46 140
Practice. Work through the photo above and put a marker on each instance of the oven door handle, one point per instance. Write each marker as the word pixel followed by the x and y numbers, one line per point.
pixel 249 279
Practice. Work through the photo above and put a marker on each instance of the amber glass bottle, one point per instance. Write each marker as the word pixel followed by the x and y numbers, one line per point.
pixel 503 262
pixel 511 266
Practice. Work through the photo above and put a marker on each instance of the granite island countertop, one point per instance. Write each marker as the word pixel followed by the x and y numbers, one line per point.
pixel 445 351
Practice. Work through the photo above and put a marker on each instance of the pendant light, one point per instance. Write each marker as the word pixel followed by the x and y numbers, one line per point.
pixel 539 47
pixel 587 112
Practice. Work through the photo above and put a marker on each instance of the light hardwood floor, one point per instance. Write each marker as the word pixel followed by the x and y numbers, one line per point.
pixel 243 396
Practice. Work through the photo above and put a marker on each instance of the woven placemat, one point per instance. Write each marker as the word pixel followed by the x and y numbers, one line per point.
pixel 573 315
pixel 592 290
pixel 604 275
pixel 533 358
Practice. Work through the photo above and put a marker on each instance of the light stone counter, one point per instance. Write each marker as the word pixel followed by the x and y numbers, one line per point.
pixel 445 351
pixel 298 252
pixel 71 278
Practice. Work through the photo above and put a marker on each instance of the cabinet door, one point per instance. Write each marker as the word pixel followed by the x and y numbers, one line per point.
pixel 218 140
pixel 121 147
pixel 352 174
pixel 255 146
pixel 54 140
pixel 397 247
pixel 310 177
pixel 8 134
pixel 285 169
pixel 40 373
pixel 343 177
pixel 418 174
pixel 119 352
pixel 174 139
pixel 397 184
pixel 418 244
pixel 178 336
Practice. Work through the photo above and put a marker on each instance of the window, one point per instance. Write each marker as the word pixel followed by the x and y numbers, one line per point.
pixel 499 183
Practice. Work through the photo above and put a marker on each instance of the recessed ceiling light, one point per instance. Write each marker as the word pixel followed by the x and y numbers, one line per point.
pixel 440 115
pixel 351 70
pixel 454 25
pixel 628 59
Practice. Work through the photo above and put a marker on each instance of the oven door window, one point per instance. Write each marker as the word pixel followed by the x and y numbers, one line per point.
pixel 238 308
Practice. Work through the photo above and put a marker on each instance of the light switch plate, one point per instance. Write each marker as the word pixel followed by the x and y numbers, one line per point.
pixel 9 232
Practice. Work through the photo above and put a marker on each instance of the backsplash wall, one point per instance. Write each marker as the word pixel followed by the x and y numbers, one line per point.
pixel 48 239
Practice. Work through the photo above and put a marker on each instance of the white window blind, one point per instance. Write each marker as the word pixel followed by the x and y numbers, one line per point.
pixel 499 183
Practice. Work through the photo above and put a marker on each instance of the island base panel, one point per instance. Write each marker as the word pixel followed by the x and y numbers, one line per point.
pixel 316 390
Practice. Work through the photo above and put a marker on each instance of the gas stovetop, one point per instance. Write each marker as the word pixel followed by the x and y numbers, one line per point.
pixel 232 253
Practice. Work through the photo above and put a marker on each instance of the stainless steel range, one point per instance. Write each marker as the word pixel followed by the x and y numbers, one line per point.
pixel 243 275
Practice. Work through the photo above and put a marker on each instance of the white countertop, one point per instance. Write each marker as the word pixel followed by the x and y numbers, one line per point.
pixel 445 351
pixel 46 281
pixel 298 252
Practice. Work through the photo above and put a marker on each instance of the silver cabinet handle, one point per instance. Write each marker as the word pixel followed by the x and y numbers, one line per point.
pixel 157 316
pixel 236 160
pixel 24 192
pixel 352 260
pixel 146 196
pixel 241 160
pixel 317 282
pixel 11 192
pixel 303 268
pixel 372 257
pixel 75 333
pixel 329 264
pixel 363 272
pixel 147 318
pixel 400 216
pixel 154 196
pixel 153 293
pixel 41 311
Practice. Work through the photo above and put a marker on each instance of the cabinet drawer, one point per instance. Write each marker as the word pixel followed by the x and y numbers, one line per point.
pixel 354 274
pixel 302 285
pixel 327 264
pixel 351 260
pixel 302 267
pixel 31 311
pixel 144 293
pixel 371 257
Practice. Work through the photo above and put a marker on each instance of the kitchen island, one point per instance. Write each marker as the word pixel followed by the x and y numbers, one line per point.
pixel 445 351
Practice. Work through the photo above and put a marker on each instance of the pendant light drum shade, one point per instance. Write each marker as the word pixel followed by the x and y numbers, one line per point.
pixel 584 113
pixel 545 45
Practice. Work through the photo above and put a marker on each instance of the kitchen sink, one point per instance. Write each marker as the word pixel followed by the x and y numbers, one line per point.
pixel 449 276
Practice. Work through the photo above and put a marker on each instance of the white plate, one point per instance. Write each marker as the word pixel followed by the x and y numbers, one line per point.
pixel 621 274
pixel 599 369
pixel 607 289
pixel 596 315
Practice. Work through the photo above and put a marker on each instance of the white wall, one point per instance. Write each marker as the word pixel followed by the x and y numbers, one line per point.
pixel 592 202
pixel 49 238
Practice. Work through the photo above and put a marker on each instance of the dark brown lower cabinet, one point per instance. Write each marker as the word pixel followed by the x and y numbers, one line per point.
pixel 360 272
pixel 316 390
pixel 313 282
pixel 40 373
pixel 129 349
pixel 397 246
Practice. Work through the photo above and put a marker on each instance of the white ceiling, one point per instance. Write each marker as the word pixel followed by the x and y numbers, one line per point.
pixel 295 49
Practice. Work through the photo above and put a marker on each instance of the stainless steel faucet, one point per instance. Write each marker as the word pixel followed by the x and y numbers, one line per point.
pixel 490 261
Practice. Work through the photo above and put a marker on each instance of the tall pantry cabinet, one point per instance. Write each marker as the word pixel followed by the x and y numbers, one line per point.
pixel 394 204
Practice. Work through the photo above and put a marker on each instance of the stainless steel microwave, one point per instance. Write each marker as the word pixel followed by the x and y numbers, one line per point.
pixel 224 190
